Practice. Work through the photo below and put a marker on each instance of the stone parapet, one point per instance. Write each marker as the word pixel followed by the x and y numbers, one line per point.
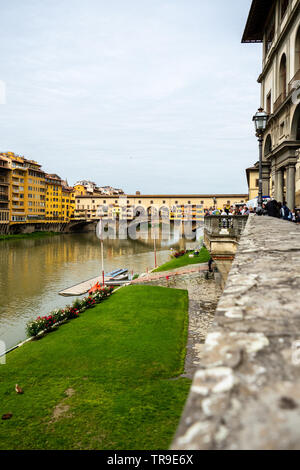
pixel 246 394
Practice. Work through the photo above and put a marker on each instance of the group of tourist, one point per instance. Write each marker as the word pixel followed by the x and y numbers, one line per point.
pixel 229 210
pixel 272 209
pixel 281 211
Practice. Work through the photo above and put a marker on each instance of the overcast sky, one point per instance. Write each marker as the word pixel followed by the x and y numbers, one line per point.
pixel 148 95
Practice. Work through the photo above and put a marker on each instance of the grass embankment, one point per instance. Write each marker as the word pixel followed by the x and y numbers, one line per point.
pixel 18 236
pixel 185 260
pixel 102 381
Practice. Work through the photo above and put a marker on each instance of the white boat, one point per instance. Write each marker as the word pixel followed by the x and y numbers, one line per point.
pixel 119 275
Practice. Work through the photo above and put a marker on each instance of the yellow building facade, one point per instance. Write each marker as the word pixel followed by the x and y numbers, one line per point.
pixel 26 188
pixel 60 203
pixel 29 195
pixel 253 182
pixel 68 203
pixel 60 200
pixel 5 170
pixel 80 190
pixel 53 198
pixel 35 202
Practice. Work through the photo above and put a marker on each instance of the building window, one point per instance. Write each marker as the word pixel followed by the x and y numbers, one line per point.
pixel 270 36
pixel 282 77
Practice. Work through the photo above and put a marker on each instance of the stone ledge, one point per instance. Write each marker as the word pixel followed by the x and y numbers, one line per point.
pixel 246 395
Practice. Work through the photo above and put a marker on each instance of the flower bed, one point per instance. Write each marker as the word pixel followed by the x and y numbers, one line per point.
pixel 179 254
pixel 55 318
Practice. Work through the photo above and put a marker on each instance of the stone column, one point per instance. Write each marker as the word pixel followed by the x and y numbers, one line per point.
pixel 266 178
pixel 291 186
pixel 279 185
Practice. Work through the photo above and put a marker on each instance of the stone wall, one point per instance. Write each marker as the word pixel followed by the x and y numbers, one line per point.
pixel 246 393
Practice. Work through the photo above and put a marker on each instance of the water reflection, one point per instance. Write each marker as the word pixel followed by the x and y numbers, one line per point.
pixel 32 272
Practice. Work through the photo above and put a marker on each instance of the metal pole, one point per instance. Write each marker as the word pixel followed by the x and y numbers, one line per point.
pixel 153 232
pixel 260 185
pixel 155 251
pixel 102 263
pixel 102 256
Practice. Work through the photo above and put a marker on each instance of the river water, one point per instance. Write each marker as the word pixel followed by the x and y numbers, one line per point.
pixel 33 271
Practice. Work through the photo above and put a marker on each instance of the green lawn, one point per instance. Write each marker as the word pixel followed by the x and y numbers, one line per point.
pixel 28 235
pixel 118 360
pixel 185 260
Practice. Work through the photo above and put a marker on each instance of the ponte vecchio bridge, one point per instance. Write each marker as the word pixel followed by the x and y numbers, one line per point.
pixel 172 207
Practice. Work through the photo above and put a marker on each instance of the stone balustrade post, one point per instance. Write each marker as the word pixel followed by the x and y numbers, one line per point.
pixel 279 185
pixel 215 225
pixel 291 186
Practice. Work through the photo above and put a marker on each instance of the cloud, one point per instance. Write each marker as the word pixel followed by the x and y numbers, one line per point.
pixel 165 82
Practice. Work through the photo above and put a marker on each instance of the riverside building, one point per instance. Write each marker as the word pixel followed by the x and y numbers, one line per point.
pixel 60 201
pixel 25 191
pixel 5 171
pixel 276 25
pixel 30 196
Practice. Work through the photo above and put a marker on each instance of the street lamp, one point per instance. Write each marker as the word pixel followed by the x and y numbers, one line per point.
pixel 260 120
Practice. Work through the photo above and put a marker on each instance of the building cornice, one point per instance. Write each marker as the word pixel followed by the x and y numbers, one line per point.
pixel 257 17
pixel 164 196
pixel 283 147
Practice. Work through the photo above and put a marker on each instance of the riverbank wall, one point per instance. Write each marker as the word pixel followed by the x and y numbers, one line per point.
pixel 56 227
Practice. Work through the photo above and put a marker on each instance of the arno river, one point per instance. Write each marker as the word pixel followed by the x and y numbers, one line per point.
pixel 32 272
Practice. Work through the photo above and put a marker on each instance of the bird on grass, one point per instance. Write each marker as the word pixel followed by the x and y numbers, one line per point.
pixel 19 390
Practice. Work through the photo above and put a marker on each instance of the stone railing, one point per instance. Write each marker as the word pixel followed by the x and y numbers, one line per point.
pixel 246 392
pixel 216 225
pixel 221 238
